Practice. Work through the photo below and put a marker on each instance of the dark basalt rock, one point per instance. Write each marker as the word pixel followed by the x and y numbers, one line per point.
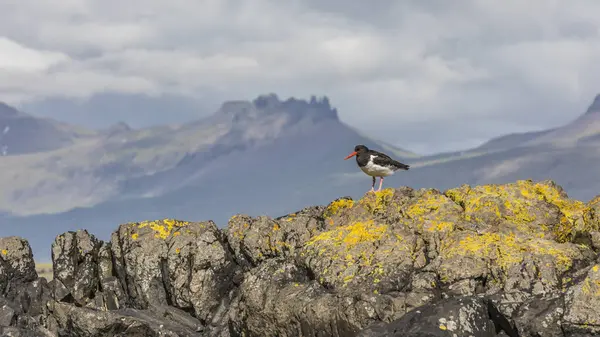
pixel 461 317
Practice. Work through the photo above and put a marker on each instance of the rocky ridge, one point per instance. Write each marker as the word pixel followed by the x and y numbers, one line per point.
pixel 517 259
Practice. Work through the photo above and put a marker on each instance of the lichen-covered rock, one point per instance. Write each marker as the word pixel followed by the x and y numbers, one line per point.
pixel 583 303
pixel 16 262
pixel 533 209
pixel 508 260
pixel 511 260
pixel 253 240
pixel 171 262
pixel 279 298
pixel 75 258
pixel 376 257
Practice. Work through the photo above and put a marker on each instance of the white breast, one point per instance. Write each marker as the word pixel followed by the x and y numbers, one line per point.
pixel 376 170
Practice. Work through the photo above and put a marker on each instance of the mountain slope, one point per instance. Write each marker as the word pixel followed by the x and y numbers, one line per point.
pixel 21 133
pixel 569 155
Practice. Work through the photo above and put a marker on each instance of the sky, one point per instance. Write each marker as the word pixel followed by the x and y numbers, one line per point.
pixel 427 75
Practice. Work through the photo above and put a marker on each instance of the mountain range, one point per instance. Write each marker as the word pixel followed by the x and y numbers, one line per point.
pixel 265 156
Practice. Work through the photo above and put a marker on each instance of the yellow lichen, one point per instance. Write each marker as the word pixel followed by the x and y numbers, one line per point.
pixel 4 251
pixel 519 202
pixel 337 206
pixel 433 212
pixel 591 287
pixel 576 213
pixel 163 228
pixel 134 236
pixel 427 203
pixel 441 226
pixel 351 235
pixel 378 201
pixel 508 250
pixel 348 279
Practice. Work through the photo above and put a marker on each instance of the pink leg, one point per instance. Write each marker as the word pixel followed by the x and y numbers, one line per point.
pixel 373 186
pixel 380 183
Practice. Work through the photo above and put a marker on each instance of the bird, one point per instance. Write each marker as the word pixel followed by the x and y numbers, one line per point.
pixel 375 164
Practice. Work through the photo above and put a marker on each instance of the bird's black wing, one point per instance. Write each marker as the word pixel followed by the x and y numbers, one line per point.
pixel 385 160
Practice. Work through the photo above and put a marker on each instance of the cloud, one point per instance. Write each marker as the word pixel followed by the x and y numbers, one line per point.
pixel 20 59
pixel 431 75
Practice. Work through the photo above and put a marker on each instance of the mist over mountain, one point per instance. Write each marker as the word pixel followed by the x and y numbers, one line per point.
pixel 100 111
pixel 265 156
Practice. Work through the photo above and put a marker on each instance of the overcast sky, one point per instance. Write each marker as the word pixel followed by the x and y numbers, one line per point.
pixel 428 76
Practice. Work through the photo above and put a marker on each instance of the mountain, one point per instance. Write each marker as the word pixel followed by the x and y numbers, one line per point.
pixel 567 154
pixel 21 133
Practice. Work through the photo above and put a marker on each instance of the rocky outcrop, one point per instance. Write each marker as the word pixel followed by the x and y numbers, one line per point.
pixel 518 259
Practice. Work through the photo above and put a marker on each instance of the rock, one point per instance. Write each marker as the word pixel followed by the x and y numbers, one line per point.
pixel 582 304
pixel 460 316
pixel 75 258
pixel 253 240
pixel 17 332
pixel 280 299
pixel 77 321
pixel 7 314
pixel 375 257
pixel 541 317
pixel 17 262
pixel 23 295
pixel 517 259
pixel 183 264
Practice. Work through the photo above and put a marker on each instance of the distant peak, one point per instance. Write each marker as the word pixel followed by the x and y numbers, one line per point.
pixel 269 104
pixel 266 101
pixel 234 107
pixel 595 107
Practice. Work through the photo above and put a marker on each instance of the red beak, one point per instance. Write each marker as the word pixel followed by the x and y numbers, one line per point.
pixel 350 155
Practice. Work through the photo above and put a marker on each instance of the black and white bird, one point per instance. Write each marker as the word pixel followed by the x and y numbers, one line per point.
pixel 375 164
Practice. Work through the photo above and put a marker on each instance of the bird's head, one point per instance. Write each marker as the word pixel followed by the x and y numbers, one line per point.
pixel 358 149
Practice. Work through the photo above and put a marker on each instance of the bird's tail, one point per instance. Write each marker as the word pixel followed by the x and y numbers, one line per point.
pixel 401 166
